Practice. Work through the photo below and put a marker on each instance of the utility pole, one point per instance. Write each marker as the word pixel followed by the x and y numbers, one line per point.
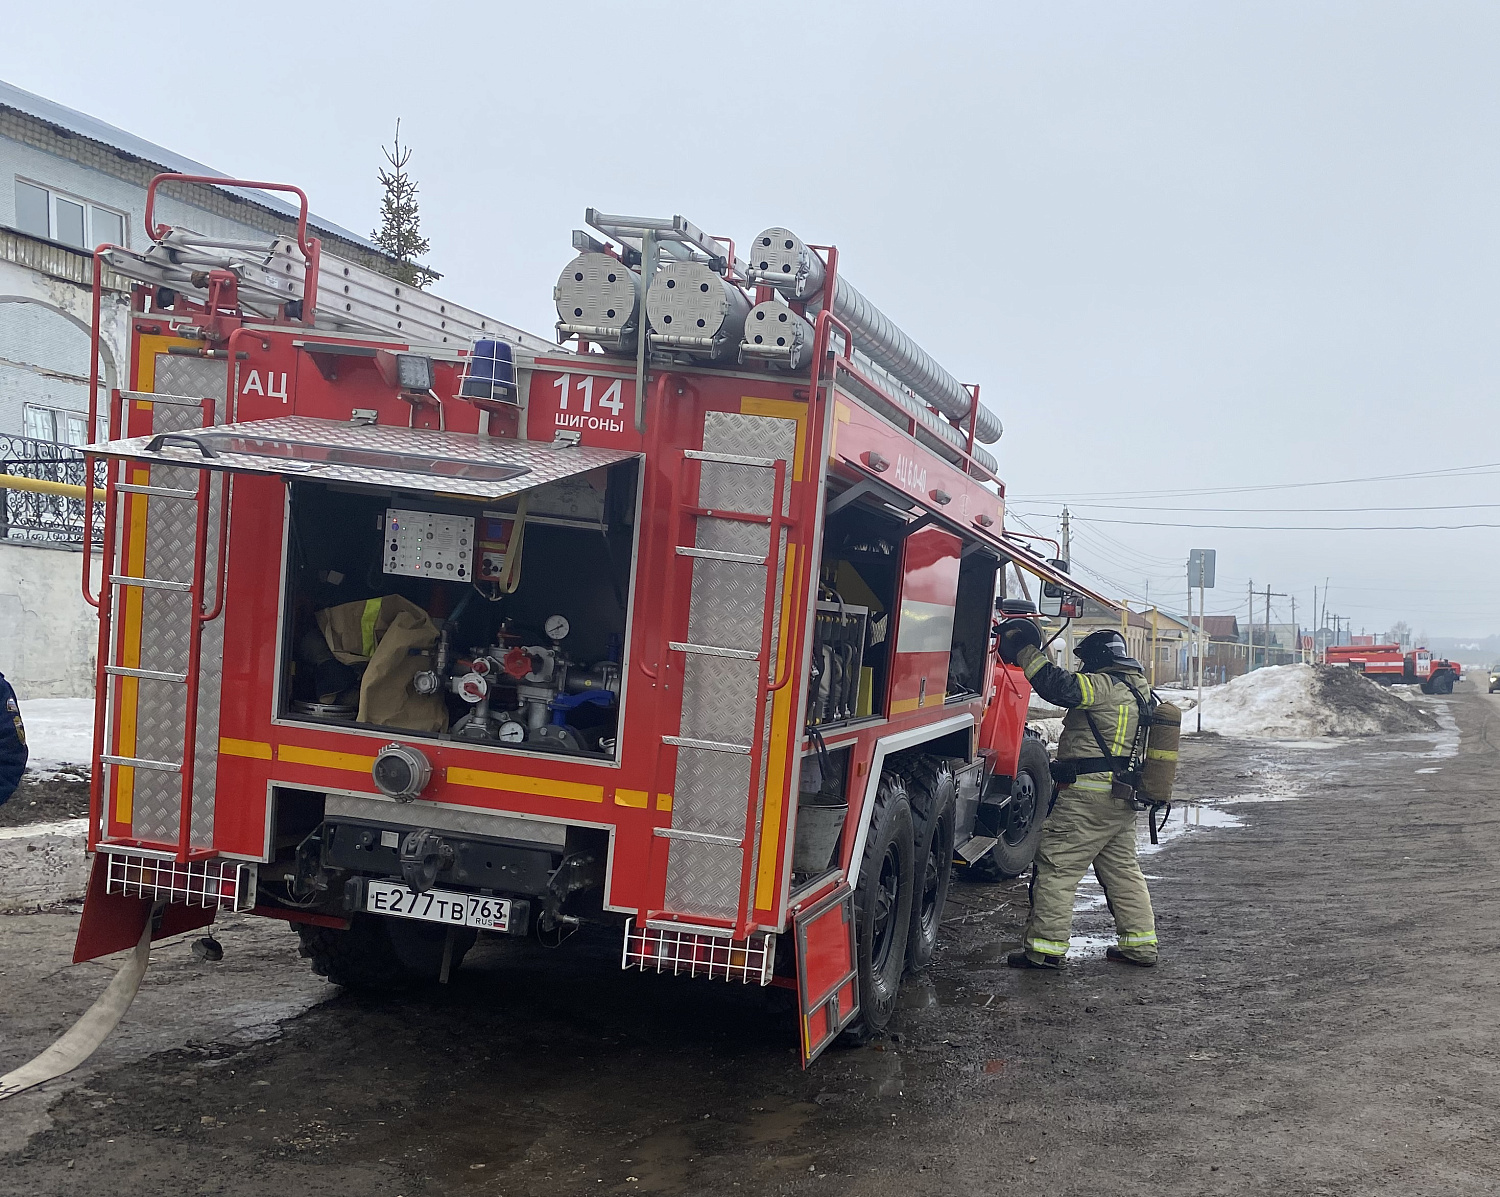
pixel 1250 631
pixel 1067 552
pixel 1296 631
pixel 1269 596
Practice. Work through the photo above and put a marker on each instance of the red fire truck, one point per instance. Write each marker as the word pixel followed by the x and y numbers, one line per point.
pixel 1390 665
pixel 414 626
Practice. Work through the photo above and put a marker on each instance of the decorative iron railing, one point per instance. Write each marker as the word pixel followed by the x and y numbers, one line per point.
pixel 26 515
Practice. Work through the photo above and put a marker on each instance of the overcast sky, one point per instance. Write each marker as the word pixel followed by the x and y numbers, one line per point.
pixel 1181 246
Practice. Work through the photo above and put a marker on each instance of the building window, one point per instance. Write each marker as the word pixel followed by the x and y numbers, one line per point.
pixel 76 222
pixel 41 423
pixel 60 426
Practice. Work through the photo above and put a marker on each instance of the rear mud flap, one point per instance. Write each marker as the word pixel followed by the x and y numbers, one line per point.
pixel 827 980
pixel 113 922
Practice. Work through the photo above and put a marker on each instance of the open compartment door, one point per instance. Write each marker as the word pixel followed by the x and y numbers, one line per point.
pixel 407 459
pixel 827 979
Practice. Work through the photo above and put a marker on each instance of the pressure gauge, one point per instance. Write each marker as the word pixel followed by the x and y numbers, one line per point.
pixel 511 732
pixel 556 627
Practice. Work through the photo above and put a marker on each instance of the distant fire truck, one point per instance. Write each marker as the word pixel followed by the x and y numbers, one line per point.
pixel 413 625
pixel 1391 665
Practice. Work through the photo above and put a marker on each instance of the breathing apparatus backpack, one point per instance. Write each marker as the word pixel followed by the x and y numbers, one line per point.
pixel 1146 777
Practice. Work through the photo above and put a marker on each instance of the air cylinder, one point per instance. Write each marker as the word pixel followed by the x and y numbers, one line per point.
pixel 1163 737
pixel 781 259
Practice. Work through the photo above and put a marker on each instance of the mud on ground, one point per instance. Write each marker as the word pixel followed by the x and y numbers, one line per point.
pixel 50 799
pixel 1323 1022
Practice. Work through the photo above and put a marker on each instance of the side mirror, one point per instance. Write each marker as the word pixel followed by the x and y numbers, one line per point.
pixel 1053 594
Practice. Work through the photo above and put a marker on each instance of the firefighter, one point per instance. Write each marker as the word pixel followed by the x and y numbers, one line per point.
pixel 1088 824
pixel 13 750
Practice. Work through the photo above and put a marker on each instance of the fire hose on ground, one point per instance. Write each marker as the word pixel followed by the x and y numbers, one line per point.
pixel 83 1038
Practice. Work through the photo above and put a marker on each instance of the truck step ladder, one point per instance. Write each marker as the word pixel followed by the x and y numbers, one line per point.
pixel 736 528
pixel 156 643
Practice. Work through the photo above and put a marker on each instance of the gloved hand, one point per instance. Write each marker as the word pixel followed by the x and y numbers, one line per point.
pixel 1014 633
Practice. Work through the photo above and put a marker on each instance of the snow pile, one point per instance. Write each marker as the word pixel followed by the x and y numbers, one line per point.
pixel 60 734
pixel 1306 702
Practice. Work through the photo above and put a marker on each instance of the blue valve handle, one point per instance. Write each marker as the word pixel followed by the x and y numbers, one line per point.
pixel 563 703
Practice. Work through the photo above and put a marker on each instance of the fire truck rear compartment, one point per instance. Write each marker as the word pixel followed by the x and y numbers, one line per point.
pixel 329 848
pixel 519 641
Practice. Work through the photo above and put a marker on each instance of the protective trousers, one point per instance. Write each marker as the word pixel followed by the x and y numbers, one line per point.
pixel 1088 827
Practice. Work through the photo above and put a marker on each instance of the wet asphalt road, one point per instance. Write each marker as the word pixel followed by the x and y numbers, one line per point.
pixel 1323 1022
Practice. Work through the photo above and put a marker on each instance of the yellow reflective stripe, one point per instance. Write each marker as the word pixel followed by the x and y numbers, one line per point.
pixel 1034 666
pixel 254 749
pixel 1122 721
pixel 1047 947
pixel 1087 687
pixel 367 627
pixel 1160 754
pixel 1137 941
pixel 1098 782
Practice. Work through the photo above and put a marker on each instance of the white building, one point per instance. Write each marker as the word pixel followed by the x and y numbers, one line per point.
pixel 69 182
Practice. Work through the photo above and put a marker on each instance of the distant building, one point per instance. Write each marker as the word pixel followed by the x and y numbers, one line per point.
pixel 1225 655
pixel 69 182
pixel 1150 635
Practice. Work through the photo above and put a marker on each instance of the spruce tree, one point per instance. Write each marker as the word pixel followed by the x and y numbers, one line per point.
pixel 400 232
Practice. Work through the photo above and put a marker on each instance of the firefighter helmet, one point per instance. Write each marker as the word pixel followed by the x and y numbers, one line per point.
pixel 1104 649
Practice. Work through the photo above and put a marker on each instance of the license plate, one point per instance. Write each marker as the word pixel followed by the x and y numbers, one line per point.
pixel 438 906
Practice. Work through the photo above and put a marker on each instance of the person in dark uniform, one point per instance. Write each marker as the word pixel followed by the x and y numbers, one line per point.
pixel 13 750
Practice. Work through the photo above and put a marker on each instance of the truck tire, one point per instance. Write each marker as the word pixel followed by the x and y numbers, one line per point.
pixel 379 953
pixel 882 909
pixel 934 796
pixel 1031 799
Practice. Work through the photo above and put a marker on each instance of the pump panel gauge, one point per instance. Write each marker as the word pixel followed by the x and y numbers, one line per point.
pixel 556 627
pixel 511 733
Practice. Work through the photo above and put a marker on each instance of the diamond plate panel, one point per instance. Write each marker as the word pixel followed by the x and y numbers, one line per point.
pixel 737 487
pixel 710 791
pixel 171 526
pixel 718 699
pixel 414 459
pixel 703 879
pixel 732 536
pixel 728 603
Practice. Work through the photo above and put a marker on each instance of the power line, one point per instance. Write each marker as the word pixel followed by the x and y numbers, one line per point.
pixel 1459 471
pixel 1290 510
pixel 1298 527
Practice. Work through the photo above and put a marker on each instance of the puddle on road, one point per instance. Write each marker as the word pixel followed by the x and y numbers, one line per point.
pixel 1187 817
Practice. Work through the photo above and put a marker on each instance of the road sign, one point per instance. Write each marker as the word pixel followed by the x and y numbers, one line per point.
pixel 1201 567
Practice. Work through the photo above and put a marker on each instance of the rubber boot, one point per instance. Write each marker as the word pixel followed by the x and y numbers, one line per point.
pixel 1119 957
pixel 1023 959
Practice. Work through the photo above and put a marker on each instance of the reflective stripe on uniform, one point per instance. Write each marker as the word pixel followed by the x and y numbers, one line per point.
pixel 1046 947
pixel 367 621
pixel 1034 666
pixel 1087 689
pixel 1160 754
pixel 1122 722
pixel 1138 941
pixel 1100 783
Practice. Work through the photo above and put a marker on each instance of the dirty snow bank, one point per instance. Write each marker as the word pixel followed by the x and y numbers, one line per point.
pixel 1308 702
